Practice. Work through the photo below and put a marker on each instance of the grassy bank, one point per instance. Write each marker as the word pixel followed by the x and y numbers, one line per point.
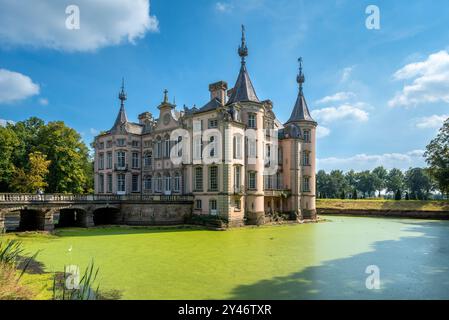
pixel 374 204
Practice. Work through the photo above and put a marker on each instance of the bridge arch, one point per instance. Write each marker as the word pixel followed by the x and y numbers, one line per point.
pixel 107 215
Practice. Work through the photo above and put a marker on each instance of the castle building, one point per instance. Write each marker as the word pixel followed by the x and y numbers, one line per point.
pixel 236 159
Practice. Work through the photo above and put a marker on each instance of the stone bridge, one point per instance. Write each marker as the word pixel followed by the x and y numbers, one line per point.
pixel 26 212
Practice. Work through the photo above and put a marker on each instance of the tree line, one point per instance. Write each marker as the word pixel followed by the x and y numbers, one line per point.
pixel 51 157
pixel 415 183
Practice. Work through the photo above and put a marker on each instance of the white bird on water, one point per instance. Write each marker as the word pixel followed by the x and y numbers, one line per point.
pixel 70 249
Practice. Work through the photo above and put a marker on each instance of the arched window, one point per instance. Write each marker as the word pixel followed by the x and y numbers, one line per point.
pixel 148 159
pixel 158 147
pixel 167 146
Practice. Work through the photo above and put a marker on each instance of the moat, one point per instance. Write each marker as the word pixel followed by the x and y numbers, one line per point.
pixel 324 260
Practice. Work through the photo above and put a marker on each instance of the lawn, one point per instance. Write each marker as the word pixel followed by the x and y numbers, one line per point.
pixel 381 204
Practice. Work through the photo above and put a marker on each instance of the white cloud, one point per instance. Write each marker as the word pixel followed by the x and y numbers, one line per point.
pixel 322 132
pixel 343 112
pixel 102 23
pixel 361 162
pixel 339 96
pixel 223 7
pixel 15 86
pixel 432 122
pixel 4 122
pixel 43 101
pixel 429 81
pixel 94 132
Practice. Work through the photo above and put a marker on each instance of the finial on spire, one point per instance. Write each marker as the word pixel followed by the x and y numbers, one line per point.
pixel 300 78
pixel 122 95
pixel 165 96
pixel 243 49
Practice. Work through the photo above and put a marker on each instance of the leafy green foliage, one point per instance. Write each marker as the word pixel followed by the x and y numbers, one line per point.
pixel 437 157
pixel 38 155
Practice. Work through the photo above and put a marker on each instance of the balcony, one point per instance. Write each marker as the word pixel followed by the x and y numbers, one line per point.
pixel 118 167
pixel 273 192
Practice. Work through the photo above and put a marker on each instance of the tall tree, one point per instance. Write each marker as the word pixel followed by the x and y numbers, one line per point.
pixel 366 183
pixel 418 183
pixel 437 157
pixel 8 144
pixel 69 156
pixel 395 180
pixel 380 177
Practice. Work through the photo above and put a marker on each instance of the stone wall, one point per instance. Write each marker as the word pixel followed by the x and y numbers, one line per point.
pixel 154 213
pixel 439 215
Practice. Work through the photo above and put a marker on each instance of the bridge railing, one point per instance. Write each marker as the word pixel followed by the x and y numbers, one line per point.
pixel 22 197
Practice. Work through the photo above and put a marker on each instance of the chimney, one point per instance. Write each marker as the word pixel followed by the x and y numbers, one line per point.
pixel 145 117
pixel 218 90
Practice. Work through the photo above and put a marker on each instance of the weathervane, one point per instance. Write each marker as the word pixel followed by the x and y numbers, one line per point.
pixel 122 94
pixel 300 78
pixel 243 49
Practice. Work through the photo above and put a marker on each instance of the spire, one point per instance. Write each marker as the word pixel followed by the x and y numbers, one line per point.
pixel 243 89
pixel 121 117
pixel 300 111
pixel 165 96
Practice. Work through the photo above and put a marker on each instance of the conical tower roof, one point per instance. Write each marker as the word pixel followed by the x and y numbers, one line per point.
pixel 243 90
pixel 300 111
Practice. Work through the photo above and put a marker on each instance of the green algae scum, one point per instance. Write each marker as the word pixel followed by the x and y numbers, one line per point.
pixel 326 260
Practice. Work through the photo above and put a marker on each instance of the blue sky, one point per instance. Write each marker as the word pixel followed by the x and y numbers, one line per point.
pixel 379 96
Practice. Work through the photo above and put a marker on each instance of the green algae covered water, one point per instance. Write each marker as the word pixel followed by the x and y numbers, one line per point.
pixel 313 261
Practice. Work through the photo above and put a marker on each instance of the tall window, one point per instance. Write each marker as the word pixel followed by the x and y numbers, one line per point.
pixel 238 204
pixel 109 160
pixel 135 160
pixel 121 183
pixel 101 183
pixel 237 178
pixel 135 183
pixel 237 147
pixel 252 148
pixel 167 147
pixel 213 206
pixel 101 161
pixel 167 182
pixel 158 147
pixel 252 120
pixel 148 159
pixel 109 183
pixel 148 183
pixel 306 158
pixel 252 180
pixel 158 183
pixel 177 182
pixel 198 179
pixel 306 184
pixel 268 155
pixel 213 178
pixel 198 204
pixel 306 135
pixel 135 144
pixel 121 159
